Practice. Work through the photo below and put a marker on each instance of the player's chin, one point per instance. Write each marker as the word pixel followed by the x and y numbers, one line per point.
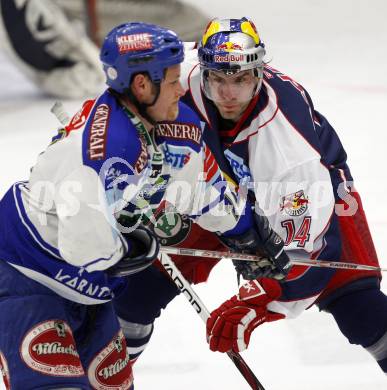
pixel 173 113
pixel 230 115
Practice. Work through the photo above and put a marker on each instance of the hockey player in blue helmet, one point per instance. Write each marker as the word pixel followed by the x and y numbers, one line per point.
pixel 65 251
pixel 152 53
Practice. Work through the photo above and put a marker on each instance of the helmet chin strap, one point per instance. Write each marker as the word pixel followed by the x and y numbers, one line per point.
pixel 257 88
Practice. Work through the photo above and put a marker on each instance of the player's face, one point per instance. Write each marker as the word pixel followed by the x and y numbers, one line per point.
pixel 166 106
pixel 232 93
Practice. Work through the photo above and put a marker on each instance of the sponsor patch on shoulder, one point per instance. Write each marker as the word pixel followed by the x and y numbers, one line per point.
pixel 49 348
pixel 98 129
pixel 294 204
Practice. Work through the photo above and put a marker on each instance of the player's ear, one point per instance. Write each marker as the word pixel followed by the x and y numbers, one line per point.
pixel 141 87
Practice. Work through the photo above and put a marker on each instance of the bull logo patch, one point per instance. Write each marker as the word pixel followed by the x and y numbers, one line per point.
pixel 228 46
pixel 294 204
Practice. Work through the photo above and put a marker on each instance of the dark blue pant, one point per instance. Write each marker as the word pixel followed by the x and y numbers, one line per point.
pixel 48 342
pixel 360 311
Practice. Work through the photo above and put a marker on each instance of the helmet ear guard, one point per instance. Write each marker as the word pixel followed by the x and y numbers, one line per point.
pixel 133 48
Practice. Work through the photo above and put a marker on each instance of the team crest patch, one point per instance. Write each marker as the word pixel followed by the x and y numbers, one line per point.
pixel 4 371
pixel 111 368
pixel 294 204
pixel 49 347
pixel 172 228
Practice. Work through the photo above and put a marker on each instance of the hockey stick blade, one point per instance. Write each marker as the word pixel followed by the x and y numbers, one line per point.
pixel 247 257
pixel 190 294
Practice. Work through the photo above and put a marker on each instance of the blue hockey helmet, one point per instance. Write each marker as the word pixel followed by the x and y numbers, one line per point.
pixel 137 47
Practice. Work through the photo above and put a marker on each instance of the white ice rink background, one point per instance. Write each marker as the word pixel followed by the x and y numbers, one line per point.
pixel 338 51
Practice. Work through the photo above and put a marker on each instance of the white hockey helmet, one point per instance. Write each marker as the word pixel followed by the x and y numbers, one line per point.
pixel 231 46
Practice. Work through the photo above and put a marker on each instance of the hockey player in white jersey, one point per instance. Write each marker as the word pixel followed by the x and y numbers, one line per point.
pixel 262 126
pixel 64 255
pixel 277 136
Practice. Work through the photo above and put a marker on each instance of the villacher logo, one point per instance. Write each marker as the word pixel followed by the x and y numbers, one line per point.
pixel 49 347
pixel 111 368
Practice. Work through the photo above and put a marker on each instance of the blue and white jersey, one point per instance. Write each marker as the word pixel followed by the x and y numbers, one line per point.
pixel 295 165
pixel 61 227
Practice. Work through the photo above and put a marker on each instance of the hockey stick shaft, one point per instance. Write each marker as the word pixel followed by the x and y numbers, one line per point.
pixel 247 257
pixel 187 290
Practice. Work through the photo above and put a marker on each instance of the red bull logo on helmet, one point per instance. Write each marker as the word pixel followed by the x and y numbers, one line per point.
pixel 229 58
pixel 228 46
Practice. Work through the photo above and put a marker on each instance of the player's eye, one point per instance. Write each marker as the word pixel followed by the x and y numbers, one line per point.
pixel 240 80
pixel 218 80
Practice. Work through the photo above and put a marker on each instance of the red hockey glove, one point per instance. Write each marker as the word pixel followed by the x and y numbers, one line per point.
pixel 230 326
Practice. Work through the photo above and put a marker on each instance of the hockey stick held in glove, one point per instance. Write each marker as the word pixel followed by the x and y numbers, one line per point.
pixel 204 314
pixel 247 257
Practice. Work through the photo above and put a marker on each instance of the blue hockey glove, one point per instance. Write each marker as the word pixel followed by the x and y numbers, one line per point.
pixel 264 242
pixel 143 250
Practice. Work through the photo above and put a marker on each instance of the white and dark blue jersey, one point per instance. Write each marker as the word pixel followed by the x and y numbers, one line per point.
pixel 295 164
pixel 61 227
